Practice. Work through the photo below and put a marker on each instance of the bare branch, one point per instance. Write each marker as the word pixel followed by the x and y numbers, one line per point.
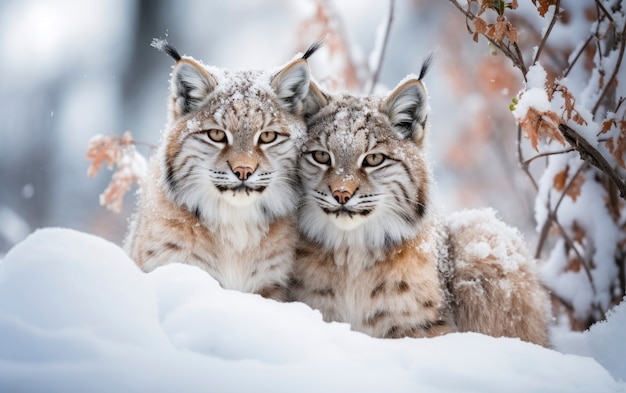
pixel 555 16
pixel 593 156
pixel 582 49
pixel 546 154
pixel 523 164
pixel 618 64
pixel 605 11
pixel 379 65
pixel 516 57
pixel 571 244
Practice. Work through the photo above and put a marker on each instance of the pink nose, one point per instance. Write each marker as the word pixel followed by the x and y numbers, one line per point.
pixel 243 172
pixel 342 196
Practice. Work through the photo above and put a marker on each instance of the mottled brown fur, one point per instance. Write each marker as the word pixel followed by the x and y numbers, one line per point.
pixel 221 192
pixel 495 284
pixel 374 253
pixel 401 294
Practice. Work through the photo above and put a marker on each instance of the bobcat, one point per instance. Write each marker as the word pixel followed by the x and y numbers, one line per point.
pixel 222 189
pixel 373 251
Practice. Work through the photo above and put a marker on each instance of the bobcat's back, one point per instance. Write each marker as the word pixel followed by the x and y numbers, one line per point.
pixel 222 189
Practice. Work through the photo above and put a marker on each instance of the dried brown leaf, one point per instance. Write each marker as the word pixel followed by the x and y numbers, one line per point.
pixel 543 6
pixel 606 126
pixel 617 145
pixel 558 183
pixel 480 26
pixel 102 149
pixel 574 189
pixel 113 196
pixel 538 124
pixel 118 152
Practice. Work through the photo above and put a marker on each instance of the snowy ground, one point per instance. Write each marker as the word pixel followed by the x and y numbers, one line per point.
pixel 76 315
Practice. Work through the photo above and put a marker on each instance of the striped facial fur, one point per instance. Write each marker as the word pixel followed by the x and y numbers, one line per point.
pixel 374 254
pixel 222 190
pixel 365 174
pixel 236 150
pixel 370 249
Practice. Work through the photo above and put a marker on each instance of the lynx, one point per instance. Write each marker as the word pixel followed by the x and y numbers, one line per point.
pixel 374 252
pixel 222 190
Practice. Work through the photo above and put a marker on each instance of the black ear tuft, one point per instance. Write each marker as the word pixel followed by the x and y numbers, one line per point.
pixel 313 48
pixel 428 62
pixel 164 46
pixel 190 85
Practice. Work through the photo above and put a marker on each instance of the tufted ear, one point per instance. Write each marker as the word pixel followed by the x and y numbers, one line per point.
pixel 407 108
pixel 190 85
pixel 291 85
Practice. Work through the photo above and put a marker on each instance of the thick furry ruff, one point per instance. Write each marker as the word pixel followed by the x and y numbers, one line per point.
pixel 399 295
pixel 243 250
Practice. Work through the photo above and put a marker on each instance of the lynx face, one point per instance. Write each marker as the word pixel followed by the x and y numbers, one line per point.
pixel 365 174
pixel 222 191
pixel 231 140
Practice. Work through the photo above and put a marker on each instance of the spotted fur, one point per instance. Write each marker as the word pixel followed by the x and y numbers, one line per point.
pixel 222 190
pixel 370 248
pixel 374 252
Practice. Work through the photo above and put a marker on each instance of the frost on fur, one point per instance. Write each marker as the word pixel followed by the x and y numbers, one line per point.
pixel 407 108
pixel 121 156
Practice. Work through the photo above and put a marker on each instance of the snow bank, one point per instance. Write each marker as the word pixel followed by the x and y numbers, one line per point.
pixel 76 314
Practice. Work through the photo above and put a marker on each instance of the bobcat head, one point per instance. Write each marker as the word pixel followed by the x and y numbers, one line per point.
pixel 230 141
pixel 365 173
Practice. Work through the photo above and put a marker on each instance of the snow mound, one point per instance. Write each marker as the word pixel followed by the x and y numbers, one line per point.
pixel 76 314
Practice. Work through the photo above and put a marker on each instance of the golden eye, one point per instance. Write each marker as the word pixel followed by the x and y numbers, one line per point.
pixel 373 160
pixel 321 156
pixel 268 136
pixel 215 135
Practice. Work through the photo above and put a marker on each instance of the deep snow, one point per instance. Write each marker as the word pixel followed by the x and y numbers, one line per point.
pixel 76 314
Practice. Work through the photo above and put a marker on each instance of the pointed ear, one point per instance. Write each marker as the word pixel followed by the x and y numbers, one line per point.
pixel 291 85
pixel 314 101
pixel 190 85
pixel 407 108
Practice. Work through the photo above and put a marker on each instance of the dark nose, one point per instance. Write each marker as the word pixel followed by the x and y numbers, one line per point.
pixel 342 196
pixel 243 172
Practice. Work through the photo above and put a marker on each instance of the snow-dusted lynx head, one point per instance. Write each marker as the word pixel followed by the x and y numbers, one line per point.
pixel 230 139
pixel 365 173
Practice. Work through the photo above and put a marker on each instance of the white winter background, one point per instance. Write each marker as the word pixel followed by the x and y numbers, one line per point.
pixel 75 312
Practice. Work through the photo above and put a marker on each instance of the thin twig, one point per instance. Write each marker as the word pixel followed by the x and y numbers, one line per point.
pixel 555 16
pixel 520 158
pixel 379 65
pixel 543 235
pixel 553 217
pixel 515 57
pixel 606 12
pixel 571 245
pixel 618 64
pixel 546 154
pixel 582 49
pixel 520 58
